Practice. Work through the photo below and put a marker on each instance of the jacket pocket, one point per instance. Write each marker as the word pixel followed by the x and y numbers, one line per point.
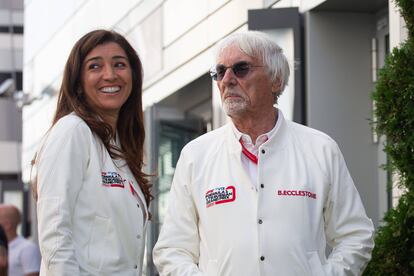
pixel 97 245
pixel 212 269
pixel 315 264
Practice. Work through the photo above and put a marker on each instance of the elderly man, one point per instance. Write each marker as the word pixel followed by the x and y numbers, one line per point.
pixel 24 256
pixel 261 195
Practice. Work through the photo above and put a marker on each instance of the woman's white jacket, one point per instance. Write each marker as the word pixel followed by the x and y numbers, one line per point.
pixel 91 211
pixel 219 223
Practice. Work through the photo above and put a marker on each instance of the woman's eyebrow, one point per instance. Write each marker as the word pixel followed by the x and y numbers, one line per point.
pixel 116 57
pixel 99 57
pixel 93 58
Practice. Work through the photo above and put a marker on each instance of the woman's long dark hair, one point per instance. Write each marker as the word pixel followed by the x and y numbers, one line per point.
pixel 130 125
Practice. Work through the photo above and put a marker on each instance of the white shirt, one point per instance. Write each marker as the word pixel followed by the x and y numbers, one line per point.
pixel 24 257
pixel 251 168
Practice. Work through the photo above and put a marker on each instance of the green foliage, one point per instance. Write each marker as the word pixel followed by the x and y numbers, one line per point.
pixel 394 252
pixel 407 11
pixel 394 96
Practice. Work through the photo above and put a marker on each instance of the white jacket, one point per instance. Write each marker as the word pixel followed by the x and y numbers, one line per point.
pixel 218 224
pixel 91 212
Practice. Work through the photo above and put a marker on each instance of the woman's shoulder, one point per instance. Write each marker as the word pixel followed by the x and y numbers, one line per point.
pixel 69 123
pixel 70 127
pixel 70 133
pixel 70 120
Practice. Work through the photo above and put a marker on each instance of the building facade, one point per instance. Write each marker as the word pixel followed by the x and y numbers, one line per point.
pixel 334 47
pixel 12 190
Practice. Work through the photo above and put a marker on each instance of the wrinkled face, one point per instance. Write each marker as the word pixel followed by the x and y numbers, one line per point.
pixel 248 95
pixel 107 78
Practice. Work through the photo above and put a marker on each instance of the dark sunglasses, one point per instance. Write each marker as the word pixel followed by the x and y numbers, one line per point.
pixel 240 70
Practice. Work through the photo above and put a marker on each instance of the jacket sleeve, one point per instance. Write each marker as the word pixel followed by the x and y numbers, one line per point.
pixel 348 229
pixel 176 252
pixel 61 168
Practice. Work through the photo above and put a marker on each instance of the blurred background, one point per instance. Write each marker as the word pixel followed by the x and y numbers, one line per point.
pixel 335 48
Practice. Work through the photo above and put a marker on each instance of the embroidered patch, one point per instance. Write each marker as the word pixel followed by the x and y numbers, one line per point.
pixel 112 179
pixel 296 193
pixel 220 195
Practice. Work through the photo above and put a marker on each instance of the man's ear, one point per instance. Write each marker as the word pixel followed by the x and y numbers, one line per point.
pixel 276 86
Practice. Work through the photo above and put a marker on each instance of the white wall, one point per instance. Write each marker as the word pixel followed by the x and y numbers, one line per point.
pixel 398 31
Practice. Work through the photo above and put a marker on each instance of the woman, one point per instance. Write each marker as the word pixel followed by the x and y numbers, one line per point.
pixel 92 194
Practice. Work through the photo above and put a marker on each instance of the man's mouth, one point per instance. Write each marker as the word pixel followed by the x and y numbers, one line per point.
pixel 232 95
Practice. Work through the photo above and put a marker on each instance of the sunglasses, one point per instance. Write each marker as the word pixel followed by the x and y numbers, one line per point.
pixel 240 70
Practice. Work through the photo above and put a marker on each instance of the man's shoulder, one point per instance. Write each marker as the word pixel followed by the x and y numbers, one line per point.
pixel 312 139
pixel 21 243
pixel 309 133
pixel 210 138
pixel 208 141
pixel 24 257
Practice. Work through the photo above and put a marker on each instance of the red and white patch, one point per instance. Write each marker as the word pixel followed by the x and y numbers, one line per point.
pixel 112 179
pixel 220 195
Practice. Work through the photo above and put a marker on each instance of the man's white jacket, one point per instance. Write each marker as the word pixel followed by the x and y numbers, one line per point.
pixel 219 224
pixel 91 212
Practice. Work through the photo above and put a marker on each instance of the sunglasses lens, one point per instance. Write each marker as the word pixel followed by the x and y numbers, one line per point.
pixel 220 71
pixel 241 69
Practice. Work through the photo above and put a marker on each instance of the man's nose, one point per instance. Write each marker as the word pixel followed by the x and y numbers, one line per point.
pixel 229 77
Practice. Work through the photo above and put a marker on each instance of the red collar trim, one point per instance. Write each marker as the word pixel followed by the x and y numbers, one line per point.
pixel 248 154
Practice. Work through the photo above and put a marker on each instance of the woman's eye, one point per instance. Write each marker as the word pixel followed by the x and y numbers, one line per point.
pixel 120 64
pixel 93 66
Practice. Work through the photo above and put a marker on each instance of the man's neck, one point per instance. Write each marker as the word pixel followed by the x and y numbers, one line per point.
pixel 256 126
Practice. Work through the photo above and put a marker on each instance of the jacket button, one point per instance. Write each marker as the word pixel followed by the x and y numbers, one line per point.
pixel 263 151
pixel 138 236
pixel 262 258
pixel 260 221
pixel 135 266
pixel 138 205
pixel 262 185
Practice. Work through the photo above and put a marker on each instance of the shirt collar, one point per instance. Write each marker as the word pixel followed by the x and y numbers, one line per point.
pixel 247 140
